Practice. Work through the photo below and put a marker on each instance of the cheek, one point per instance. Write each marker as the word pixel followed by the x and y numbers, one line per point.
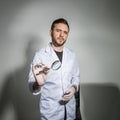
pixel 66 36
pixel 55 35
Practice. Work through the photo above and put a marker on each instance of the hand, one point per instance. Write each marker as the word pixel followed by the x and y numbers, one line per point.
pixel 40 71
pixel 69 94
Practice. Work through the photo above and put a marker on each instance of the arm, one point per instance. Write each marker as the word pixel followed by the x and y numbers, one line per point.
pixel 76 75
pixel 39 72
pixel 36 75
pixel 75 82
pixel 33 85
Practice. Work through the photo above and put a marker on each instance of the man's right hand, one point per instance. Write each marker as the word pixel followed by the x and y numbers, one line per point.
pixel 40 71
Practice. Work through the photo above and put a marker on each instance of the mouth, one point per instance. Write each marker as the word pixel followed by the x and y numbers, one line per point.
pixel 61 39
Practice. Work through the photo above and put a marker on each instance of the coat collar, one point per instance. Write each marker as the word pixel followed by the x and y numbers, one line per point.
pixel 51 52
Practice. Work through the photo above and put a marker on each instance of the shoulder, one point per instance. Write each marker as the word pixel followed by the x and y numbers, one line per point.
pixel 38 54
pixel 40 51
pixel 70 51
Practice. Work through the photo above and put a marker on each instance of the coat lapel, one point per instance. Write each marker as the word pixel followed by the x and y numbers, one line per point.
pixel 51 53
pixel 64 60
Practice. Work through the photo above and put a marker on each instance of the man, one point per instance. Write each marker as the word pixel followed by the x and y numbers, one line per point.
pixel 57 82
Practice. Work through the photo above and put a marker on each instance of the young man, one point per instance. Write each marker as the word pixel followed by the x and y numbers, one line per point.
pixel 55 75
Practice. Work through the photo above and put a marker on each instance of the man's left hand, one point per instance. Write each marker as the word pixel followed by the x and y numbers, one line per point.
pixel 69 94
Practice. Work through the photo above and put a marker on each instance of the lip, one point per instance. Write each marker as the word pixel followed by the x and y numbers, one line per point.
pixel 61 39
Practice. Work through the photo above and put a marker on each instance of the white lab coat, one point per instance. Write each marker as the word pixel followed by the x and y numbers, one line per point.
pixel 56 84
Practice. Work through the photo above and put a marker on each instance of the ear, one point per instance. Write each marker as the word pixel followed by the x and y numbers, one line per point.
pixel 50 32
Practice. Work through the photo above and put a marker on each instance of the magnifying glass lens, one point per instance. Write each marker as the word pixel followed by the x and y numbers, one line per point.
pixel 56 65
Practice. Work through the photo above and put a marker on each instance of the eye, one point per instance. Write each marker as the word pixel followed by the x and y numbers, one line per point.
pixel 58 30
pixel 65 32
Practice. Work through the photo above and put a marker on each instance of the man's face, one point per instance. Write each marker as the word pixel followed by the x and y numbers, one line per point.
pixel 59 34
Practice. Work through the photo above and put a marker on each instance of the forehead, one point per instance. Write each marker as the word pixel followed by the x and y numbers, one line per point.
pixel 61 26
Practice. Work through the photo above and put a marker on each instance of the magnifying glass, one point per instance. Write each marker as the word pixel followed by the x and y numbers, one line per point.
pixel 55 66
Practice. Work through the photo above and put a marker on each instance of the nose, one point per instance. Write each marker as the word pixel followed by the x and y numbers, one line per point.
pixel 61 34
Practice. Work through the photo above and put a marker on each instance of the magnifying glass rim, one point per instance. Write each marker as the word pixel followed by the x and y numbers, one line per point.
pixel 56 61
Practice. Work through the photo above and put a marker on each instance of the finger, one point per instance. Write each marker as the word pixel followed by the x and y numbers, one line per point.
pixel 40 72
pixel 38 66
pixel 67 96
pixel 46 70
pixel 66 93
pixel 41 65
pixel 44 76
pixel 66 99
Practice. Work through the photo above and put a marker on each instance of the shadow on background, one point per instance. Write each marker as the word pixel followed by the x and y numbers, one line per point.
pixel 16 92
pixel 101 101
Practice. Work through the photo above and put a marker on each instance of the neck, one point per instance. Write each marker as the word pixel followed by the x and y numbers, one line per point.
pixel 58 49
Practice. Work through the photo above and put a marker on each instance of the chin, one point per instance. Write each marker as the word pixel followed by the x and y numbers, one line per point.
pixel 61 43
pixel 58 43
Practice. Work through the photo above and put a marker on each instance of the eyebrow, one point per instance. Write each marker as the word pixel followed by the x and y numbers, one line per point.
pixel 61 30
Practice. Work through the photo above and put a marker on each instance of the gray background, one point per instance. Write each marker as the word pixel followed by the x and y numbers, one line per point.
pixel 94 36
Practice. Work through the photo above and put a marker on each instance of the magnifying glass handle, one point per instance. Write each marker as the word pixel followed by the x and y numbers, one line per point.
pixel 45 70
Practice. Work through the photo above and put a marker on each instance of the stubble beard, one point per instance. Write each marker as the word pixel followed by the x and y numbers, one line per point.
pixel 56 44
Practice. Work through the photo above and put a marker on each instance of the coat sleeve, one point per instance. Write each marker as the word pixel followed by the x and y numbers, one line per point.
pixel 31 78
pixel 76 74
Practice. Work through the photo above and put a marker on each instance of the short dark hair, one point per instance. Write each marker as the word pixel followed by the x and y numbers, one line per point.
pixel 59 20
